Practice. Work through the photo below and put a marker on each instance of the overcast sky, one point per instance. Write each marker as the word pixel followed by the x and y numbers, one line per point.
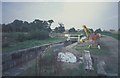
pixel 72 14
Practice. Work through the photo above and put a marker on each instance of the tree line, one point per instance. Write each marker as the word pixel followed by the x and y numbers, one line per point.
pixel 19 31
pixel 24 26
pixel 36 25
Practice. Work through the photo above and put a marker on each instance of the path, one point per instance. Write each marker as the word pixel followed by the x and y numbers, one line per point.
pixel 112 59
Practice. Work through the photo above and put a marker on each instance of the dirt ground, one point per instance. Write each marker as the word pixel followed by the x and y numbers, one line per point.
pixel 110 59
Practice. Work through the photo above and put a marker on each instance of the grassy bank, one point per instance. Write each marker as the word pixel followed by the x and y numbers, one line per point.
pixel 94 51
pixel 30 43
pixel 47 60
pixel 114 35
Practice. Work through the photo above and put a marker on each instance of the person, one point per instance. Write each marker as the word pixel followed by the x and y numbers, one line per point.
pixel 98 46
pixel 93 38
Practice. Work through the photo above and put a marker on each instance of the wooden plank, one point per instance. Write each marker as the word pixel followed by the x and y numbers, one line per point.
pixel 88 65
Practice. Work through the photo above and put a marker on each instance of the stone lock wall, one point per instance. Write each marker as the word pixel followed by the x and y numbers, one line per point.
pixel 13 59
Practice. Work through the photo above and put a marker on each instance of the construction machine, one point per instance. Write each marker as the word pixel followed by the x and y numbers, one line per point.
pixel 94 37
pixel 86 37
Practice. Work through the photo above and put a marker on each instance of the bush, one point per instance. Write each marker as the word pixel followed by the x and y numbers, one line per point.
pixel 98 31
pixel 22 37
pixel 40 35
pixel 6 40
pixel 11 38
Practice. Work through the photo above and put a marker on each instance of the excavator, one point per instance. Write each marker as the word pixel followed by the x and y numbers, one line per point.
pixel 86 37
pixel 92 36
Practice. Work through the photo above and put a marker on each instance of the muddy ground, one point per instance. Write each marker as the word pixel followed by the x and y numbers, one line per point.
pixel 109 54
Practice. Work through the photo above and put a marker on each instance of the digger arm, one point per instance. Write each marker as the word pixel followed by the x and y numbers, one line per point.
pixel 86 31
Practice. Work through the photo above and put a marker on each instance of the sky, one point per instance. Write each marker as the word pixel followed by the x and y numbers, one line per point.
pixel 95 15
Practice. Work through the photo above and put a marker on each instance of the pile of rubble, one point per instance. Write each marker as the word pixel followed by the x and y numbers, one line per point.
pixel 67 57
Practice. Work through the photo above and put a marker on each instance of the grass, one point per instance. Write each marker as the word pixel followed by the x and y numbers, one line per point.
pixel 31 71
pixel 79 71
pixel 30 43
pixel 94 51
pixel 103 52
pixel 49 55
pixel 76 72
pixel 72 72
pixel 114 35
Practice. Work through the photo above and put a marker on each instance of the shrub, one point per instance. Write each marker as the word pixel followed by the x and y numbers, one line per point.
pixel 5 40
pixel 22 37
pixel 40 35
pixel 11 38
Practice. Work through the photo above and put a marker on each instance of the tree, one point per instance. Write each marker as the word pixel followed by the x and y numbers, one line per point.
pixel 98 30
pixel 17 22
pixel 46 26
pixel 91 30
pixel 61 28
pixel 41 25
pixel 4 28
pixel 72 30
pixel 17 25
pixel 56 29
pixel 24 26
pixel 119 29
pixel 50 22
pixel 37 24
